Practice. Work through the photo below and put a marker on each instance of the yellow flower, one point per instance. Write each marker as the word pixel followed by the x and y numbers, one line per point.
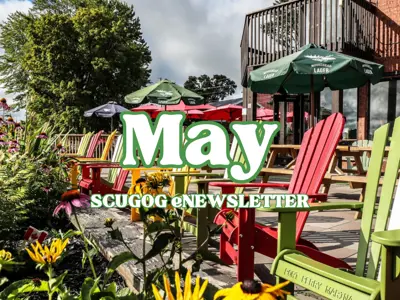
pixel 5 255
pixel 187 293
pixel 47 255
pixel 253 290
pixel 109 222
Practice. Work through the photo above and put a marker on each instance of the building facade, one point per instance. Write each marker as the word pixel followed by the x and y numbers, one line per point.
pixel 361 28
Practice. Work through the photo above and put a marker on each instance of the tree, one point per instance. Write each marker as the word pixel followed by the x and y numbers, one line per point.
pixel 277 27
pixel 212 89
pixel 67 56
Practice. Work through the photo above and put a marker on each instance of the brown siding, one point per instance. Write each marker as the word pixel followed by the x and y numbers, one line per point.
pixel 388 34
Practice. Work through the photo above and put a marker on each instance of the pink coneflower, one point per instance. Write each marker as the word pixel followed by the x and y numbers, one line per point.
pixel 18 126
pixel 46 189
pixel 2 134
pixel 3 142
pixel 70 199
pixel 10 121
pixel 13 143
pixel 13 149
pixel 45 169
pixel 42 136
pixel 60 148
pixel 3 103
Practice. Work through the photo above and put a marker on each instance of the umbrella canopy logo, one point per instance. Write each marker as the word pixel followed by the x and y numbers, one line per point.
pixel 269 73
pixel 368 69
pixel 321 58
pixel 164 93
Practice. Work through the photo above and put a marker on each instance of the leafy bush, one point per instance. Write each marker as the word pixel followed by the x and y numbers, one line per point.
pixel 32 178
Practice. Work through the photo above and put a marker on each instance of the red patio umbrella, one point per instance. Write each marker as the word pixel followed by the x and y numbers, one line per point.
pixel 227 112
pixel 183 107
pixel 289 116
pixel 264 113
pixel 194 114
pixel 190 114
pixel 149 108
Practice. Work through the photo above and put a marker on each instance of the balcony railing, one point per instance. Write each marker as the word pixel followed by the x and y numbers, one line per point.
pixel 355 27
pixel 73 141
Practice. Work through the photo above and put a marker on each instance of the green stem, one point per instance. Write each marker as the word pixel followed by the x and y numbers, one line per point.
pixel 144 261
pixel 50 275
pixel 85 244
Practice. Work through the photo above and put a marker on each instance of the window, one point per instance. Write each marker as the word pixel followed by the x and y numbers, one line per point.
pixel 350 112
pixel 378 112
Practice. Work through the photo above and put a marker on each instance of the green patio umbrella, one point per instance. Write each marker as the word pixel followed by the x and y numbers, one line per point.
pixel 311 70
pixel 164 92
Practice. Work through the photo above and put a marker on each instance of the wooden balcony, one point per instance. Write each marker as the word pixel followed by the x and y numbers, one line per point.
pixel 354 27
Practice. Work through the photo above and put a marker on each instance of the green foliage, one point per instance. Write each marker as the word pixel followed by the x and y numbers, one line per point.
pixel 211 88
pixel 65 57
pixel 32 180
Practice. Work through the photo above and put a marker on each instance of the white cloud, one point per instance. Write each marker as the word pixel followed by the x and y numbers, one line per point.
pixel 186 37
pixel 194 37
pixel 7 8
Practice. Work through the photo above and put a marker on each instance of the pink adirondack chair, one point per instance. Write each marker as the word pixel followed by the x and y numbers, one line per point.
pixel 316 152
pixel 93 144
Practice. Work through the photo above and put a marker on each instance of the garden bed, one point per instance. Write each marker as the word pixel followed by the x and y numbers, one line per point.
pixel 72 262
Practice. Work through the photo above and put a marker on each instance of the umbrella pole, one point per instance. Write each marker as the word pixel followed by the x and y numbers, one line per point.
pixel 312 100
pixel 112 127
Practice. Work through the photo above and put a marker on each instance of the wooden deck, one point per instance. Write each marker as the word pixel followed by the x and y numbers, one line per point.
pixel 354 27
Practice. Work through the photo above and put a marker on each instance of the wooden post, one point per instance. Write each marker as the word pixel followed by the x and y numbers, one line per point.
pixel 363 98
pixel 276 115
pixel 391 114
pixel 249 102
pixel 312 100
pixel 337 101
pixel 297 116
pixel 282 134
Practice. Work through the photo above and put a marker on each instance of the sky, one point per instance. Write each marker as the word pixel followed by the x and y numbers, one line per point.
pixel 186 37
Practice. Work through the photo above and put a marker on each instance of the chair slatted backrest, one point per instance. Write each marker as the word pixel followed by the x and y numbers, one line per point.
pixel 120 180
pixel 113 172
pixel 93 144
pixel 84 144
pixel 108 145
pixel 316 152
pixel 385 199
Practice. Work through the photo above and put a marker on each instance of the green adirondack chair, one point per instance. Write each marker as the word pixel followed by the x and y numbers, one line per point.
pixel 383 246
pixel 205 216
pixel 83 146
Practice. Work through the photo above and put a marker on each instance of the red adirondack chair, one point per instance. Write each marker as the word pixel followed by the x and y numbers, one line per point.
pixel 94 142
pixel 317 149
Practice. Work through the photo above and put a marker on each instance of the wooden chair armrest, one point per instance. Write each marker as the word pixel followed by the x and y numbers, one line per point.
pixel 390 238
pixel 93 165
pixel 85 161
